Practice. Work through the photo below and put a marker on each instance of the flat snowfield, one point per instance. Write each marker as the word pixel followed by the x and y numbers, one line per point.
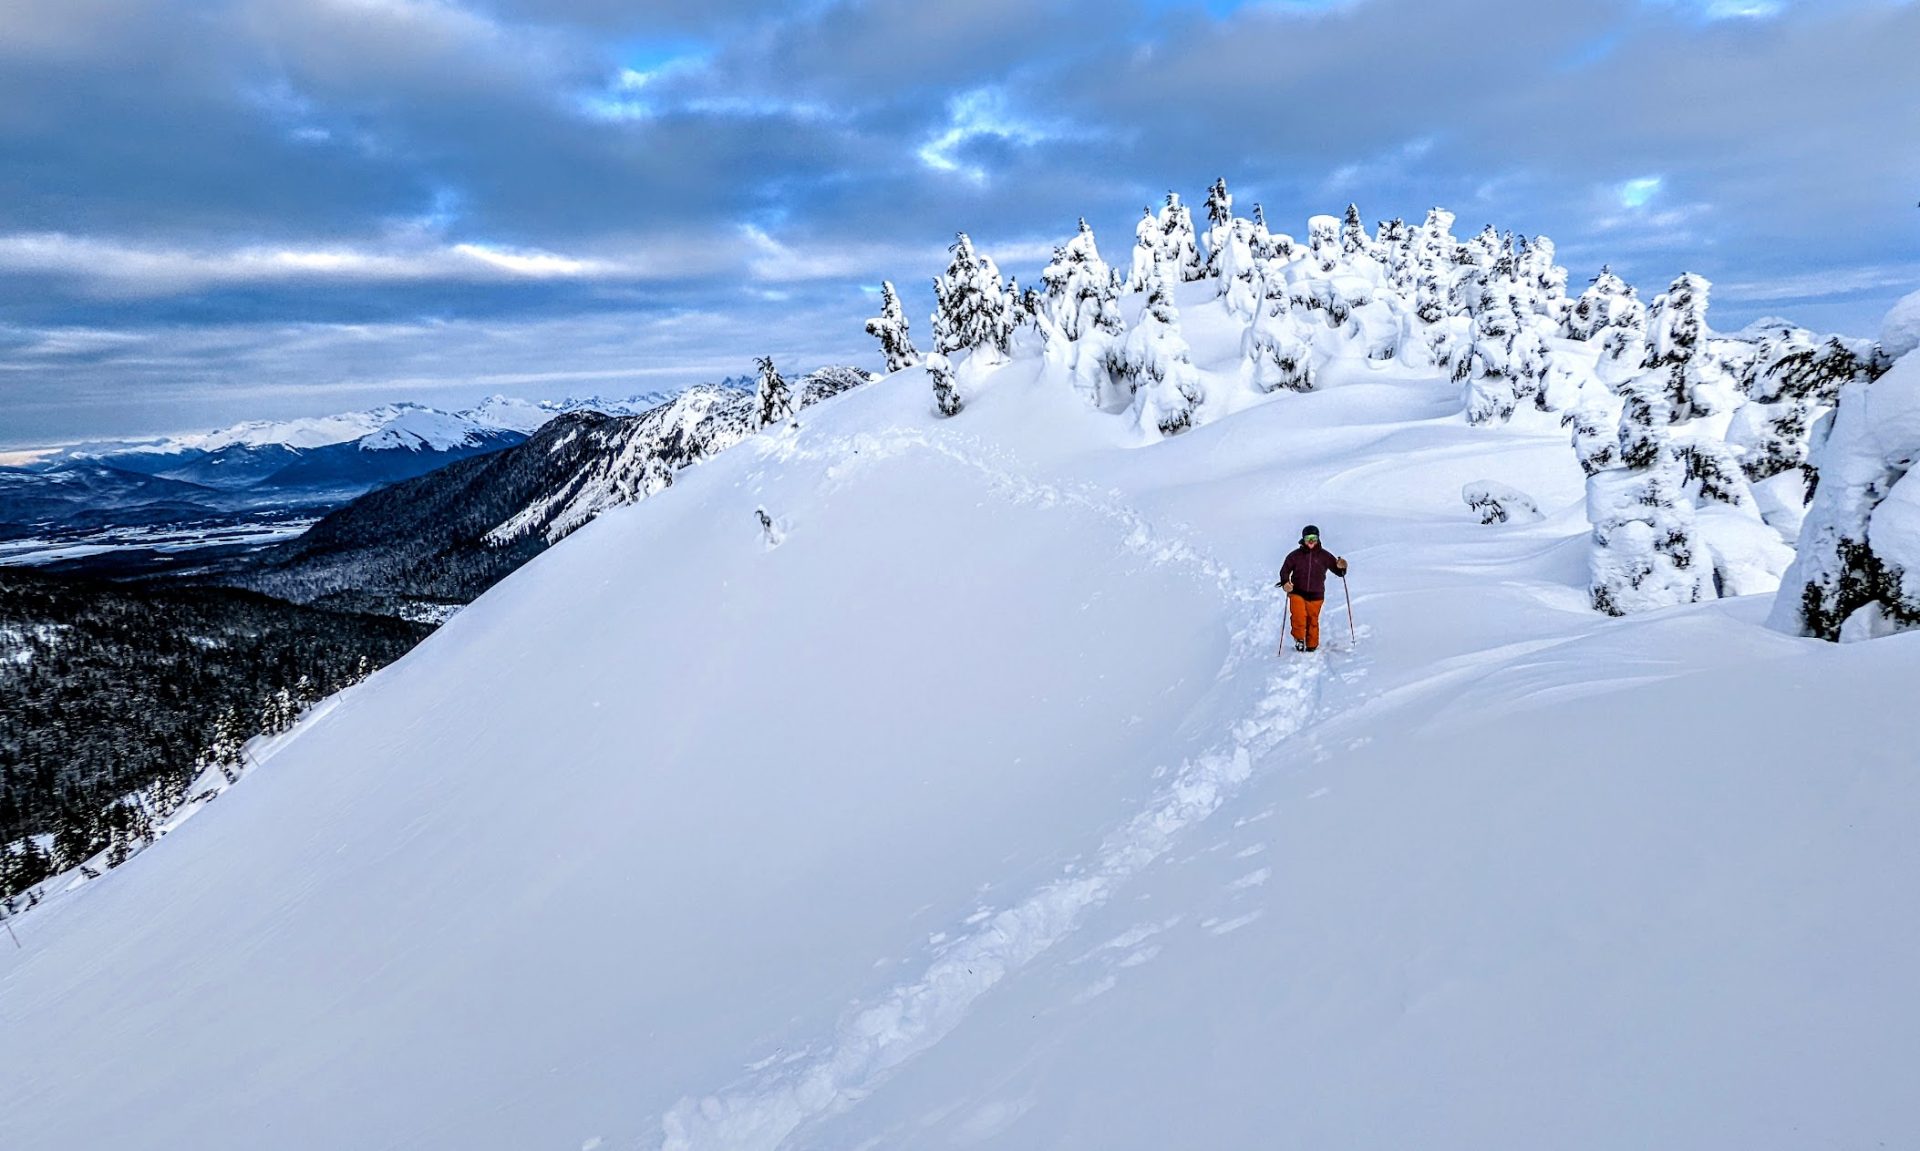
pixel 973 806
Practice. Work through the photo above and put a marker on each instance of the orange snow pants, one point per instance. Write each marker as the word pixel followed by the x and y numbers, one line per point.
pixel 1306 620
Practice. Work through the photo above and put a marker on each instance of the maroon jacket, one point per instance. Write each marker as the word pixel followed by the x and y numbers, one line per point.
pixel 1306 569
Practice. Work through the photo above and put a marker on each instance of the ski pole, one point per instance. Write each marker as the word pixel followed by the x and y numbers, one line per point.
pixel 1353 633
pixel 1282 649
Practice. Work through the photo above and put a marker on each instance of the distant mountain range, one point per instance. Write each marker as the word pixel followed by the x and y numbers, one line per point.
pixel 262 468
pixel 443 538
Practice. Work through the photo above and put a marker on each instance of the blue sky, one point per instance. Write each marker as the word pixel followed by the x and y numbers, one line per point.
pixel 223 209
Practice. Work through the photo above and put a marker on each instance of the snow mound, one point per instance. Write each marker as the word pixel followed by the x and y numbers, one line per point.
pixel 1900 331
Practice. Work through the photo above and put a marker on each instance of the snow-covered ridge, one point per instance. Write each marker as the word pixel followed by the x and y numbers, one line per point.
pixel 1697 445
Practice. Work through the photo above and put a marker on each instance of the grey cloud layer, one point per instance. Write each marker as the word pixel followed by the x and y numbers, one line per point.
pixel 169 168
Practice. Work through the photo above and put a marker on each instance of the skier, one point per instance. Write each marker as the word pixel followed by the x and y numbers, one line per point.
pixel 1304 577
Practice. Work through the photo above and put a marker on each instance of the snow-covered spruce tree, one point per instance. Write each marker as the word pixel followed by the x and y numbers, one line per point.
pixel 1643 552
pixel 1594 310
pixel 1354 240
pixel 1596 437
pixel 1236 268
pixel 1219 221
pixel 1082 308
pixel 1857 571
pixel 1074 282
pixel 1546 281
pixel 1278 350
pixel 1623 345
pixel 773 400
pixel 1676 336
pixel 890 328
pixel 1100 361
pixel 1323 241
pixel 1166 385
pixel 1792 377
pixel 946 394
pixel 972 311
pixel 1492 389
pixel 1395 243
pixel 1146 250
pixel 1433 242
pixel 1178 248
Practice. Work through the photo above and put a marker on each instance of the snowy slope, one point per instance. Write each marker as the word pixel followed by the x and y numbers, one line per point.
pixel 973 806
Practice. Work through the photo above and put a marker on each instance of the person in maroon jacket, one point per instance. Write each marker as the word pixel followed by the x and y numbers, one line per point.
pixel 1304 576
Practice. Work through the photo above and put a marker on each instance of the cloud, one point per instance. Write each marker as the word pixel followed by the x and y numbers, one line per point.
pixel 108 267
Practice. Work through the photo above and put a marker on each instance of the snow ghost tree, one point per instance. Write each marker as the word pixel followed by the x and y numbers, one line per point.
pixel 1596 438
pixel 1237 269
pixel 773 400
pixel 1074 282
pixel 1545 281
pixel 1219 221
pixel 1323 240
pixel 1590 315
pixel 1353 234
pixel 1676 347
pixel 972 310
pixel 1178 248
pixel 1146 250
pixel 1082 304
pixel 1857 572
pixel 1790 378
pixel 1492 387
pixel 1166 385
pixel 890 328
pixel 1395 241
pixel 1099 362
pixel 1278 353
pixel 1642 554
pixel 946 395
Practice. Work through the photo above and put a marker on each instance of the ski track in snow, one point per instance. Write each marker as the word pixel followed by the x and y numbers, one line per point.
pixel 762 1111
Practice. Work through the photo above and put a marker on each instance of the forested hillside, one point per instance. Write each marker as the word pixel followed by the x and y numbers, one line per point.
pixel 113 698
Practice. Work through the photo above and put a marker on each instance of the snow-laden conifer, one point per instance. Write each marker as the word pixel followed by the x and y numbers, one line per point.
pixel 1179 250
pixel 972 310
pixel 890 328
pixel 1219 224
pixel 1545 280
pixel 1354 240
pixel 946 392
pixel 1074 282
pixel 1146 250
pixel 1590 315
pixel 1323 242
pixel 1278 349
pixel 1492 387
pixel 1676 349
pixel 773 400
pixel 1236 268
pixel 1857 572
pixel 1643 554
pixel 1166 385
